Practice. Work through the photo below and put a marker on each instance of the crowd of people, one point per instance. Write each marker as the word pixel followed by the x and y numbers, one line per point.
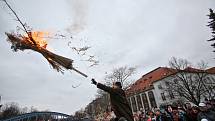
pixel 205 111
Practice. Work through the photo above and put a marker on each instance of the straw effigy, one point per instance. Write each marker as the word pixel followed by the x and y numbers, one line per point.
pixel 56 61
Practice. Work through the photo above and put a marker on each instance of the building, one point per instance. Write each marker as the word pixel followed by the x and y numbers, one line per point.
pixel 150 90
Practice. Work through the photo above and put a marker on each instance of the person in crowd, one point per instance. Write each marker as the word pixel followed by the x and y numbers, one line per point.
pixel 213 104
pixel 182 113
pixel 136 117
pixel 151 116
pixel 169 112
pixel 188 109
pixel 205 113
pixel 209 105
pixel 109 114
pixel 177 114
pixel 188 106
pixel 193 114
pixel 169 109
pixel 204 119
pixel 142 115
pixel 118 100
pixel 160 116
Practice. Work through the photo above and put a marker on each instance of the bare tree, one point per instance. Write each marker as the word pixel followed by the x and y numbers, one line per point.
pixel 10 110
pixel 121 74
pixel 212 26
pixel 190 83
pixel 104 99
pixel 80 114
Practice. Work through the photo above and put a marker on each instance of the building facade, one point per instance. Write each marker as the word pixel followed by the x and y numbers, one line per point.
pixel 150 91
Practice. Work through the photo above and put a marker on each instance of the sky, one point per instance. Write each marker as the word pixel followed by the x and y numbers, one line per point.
pixel 143 33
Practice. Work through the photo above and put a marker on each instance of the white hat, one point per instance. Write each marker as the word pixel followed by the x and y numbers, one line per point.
pixel 204 119
pixel 202 105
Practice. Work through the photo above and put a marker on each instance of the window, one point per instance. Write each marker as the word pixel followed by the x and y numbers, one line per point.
pixel 171 95
pixel 152 99
pixel 139 102
pixel 133 102
pixel 208 78
pixel 176 80
pixel 163 96
pixel 167 83
pixel 160 87
pixel 145 102
pixel 129 101
pixel 180 94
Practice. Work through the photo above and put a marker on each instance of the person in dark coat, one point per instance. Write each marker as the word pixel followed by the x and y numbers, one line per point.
pixel 118 100
pixel 205 113
pixel 194 113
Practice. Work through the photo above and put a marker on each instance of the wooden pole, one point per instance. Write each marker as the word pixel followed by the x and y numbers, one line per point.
pixel 83 74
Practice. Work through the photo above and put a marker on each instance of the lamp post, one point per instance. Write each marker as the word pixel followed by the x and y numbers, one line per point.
pixel 0 103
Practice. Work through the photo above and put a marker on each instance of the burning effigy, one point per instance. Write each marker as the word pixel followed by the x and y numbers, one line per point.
pixel 34 41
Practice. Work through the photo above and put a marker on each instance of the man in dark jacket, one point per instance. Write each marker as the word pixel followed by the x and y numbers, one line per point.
pixel 205 113
pixel 118 100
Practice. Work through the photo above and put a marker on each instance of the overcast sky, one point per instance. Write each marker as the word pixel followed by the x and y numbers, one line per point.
pixel 141 33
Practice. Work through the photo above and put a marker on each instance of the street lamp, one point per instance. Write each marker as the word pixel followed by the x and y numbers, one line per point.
pixel 0 103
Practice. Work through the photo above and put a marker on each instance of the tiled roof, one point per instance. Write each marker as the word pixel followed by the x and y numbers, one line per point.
pixel 190 69
pixel 145 82
pixel 211 70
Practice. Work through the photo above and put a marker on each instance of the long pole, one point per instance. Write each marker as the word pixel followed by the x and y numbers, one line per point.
pixel 83 74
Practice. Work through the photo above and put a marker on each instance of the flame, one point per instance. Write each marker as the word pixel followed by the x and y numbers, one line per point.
pixel 38 37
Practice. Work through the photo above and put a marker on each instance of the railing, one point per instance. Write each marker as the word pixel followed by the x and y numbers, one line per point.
pixel 42 116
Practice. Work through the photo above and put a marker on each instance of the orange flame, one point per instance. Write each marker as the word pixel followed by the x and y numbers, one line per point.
pixel 39 38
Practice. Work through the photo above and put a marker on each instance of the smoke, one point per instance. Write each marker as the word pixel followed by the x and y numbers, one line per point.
pixel 79 9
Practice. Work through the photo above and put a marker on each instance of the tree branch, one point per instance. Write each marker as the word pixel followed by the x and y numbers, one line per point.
pixel 18 19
